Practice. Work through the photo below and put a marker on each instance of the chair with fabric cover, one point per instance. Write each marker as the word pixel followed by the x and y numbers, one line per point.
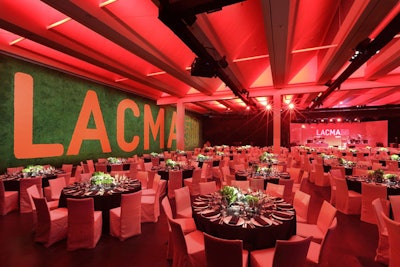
pixel 66 176
pixel 25 202
pixel 133 169
pixel 147 166
pixel 84 224
pixel 369 192
pixel 392 165
pixel 256 184
pixel 155 184
pixel 102 160
pixel 12 170
pixel 338 172
pixel 85 167
pixel 287 192
pixel 193 183
pixel 125 221
pixel 332 199
pixel 119 173
pixel 67 167
pixel 242 185
pixel 8 200
pixel 239 167
pixel 101 167
pixel 208 188
pixel 117 167
pixel 187 224
pixel 393 229
pixel 188 250
pixel 301 203
pixel 395 205
pixel 51 225
pixel 85 177
pixel 224 252
pixel 34 192
pixel 315 251
pixel 155 161
pixel 150 205
pixel 319 176
pixel 229 178
pixel 382 251
pixel 291 253
pixel 206 173
pixel 225 170
pixel 360 171
pixel 217 175
pixel 90 165
pixel 318 231
pixel 175 181
pixel 143 177
pixel 53 192
pixel 183 203
pixel 347 201
pixel 275 190
pixel 77 175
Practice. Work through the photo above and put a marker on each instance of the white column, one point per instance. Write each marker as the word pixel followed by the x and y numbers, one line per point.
pixel 277 123
pixel 180 126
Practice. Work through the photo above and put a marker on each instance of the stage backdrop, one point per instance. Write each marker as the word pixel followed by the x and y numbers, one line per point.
pixel 49 117
pixel 340 134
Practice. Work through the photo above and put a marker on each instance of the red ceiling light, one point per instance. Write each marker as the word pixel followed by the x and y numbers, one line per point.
pixel 291 106
pixel 268 107
pixel 339 120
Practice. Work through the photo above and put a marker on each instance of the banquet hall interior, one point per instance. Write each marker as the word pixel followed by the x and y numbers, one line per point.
pixel 200 133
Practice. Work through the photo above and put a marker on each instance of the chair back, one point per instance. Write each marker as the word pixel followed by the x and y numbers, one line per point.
pixel 275 190
pixel 101 167
pixel 155 161
pixel 182 200
pixel 395 204
pixel 143 177
pixel 81 222
pixel 117 167
pixel 42 227
pixel 12 170
pixel 338 172
pixel 150 178
pixel 180 251
pixel 295 174
pixel 25 199
pixel 229 178
pixel 207 188
pixel 130 214
pixel 85 177
pixel 196 176
pixel 56 186
pixel 223 252
pixel 393 229
pixel 342 194
pixel 369 192
pixel 77 174
pixel 381 206
pixel 287 193
pixel 301 203
pixel 326 215
pixel 90 165
pixel 296 249
pixel 242 185
pixel 174 182
pixel 325 241
pixel 256 184
pixel 167 210
pixel 67 167
pixel 147 166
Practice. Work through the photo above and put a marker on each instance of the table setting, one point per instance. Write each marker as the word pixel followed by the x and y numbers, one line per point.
pixel 252 216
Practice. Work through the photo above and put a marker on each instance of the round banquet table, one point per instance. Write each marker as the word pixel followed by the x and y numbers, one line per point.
pixel 354 184
pixel 12 184
pixel 103 202
pixel 254 238
pixel 125 166
pixel 186 173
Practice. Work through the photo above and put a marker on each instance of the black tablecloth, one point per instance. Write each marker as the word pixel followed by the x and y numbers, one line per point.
pixel 101 203
pixel 355 185
pixel 13 185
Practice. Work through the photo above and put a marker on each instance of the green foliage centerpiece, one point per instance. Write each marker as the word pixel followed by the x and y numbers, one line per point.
pixel 102 179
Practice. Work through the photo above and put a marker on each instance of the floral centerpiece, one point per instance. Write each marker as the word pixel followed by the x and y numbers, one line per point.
pixel 232 195
pixel 170 163
pixel 33 169
pixel 220 153
pixel 376 175
pixel 390 177
pixel 268 158
pixel 155 155
pixel 201 157
pixel 346 163
pixel 180 152
pixel 102 179
pixel 114 160
pixel 394 157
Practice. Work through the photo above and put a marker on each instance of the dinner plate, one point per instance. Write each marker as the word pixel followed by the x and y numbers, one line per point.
pixel 282 218
pixel 278 200
pixel 268 221
pixel 206 214
pixel 228 218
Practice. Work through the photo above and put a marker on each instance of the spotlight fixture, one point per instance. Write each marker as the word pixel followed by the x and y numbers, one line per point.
pixel 291 106
pixel 360 49
pixel 203 68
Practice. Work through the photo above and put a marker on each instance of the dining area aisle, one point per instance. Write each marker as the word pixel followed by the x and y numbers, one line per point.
pixel 353 243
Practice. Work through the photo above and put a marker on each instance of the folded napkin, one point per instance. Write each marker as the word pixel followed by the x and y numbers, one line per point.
pixel 200 204
pixel 284 215
pixel 260 220
pixel 234 220
pixel 211 213
pixel 284 205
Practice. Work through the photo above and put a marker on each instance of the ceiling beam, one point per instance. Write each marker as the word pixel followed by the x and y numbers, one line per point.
pixel 381 64
pixel 279 20
pixel 362 18
pixel 105 25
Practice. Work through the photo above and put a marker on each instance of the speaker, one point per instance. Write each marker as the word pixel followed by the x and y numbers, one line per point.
pixel 203 68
